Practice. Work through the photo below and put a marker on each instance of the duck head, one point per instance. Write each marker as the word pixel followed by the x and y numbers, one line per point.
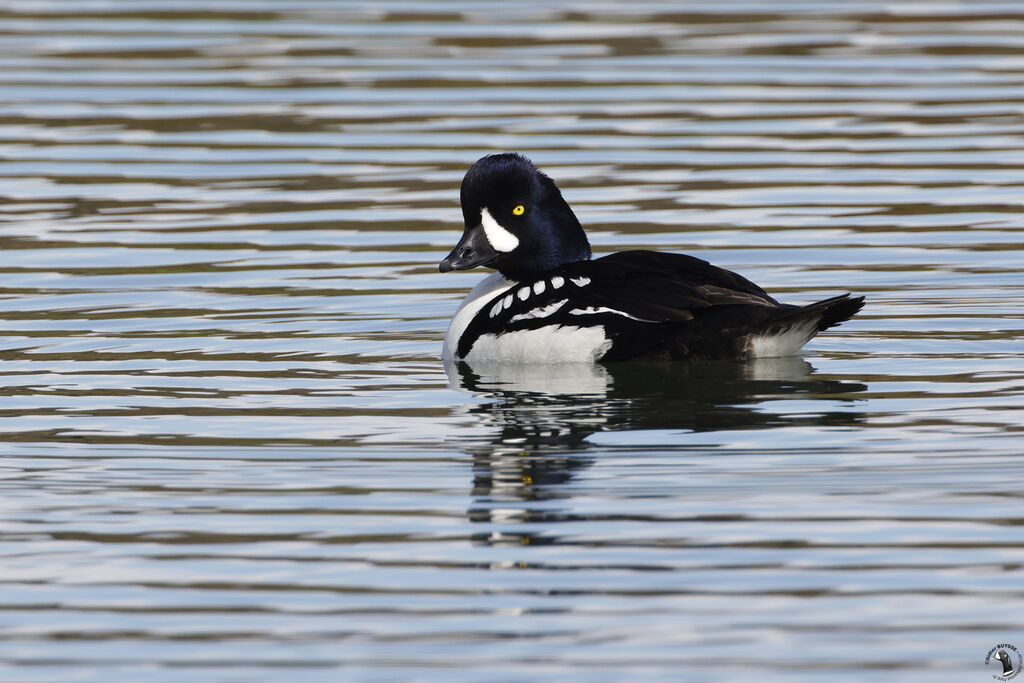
pixel 1004 657
pixel 516 221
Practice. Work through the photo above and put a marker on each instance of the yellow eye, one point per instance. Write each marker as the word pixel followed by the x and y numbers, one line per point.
pixel 519 210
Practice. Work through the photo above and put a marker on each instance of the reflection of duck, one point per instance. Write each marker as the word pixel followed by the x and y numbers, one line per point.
pixel 1004 657
pixel 550 303
pixel 559 406
pixel 538 421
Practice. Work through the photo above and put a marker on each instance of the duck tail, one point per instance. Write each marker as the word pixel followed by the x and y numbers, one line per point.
pixel 794 326
pixel 836 310
pixel 815 317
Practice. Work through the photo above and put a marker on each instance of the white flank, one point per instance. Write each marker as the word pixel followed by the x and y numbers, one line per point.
pixel 591 310
pixel 542 312
pixel 580 281
pixel 550 344
pixel 559 380
pixel 500 238
pixel 538 287
pixel 786 344
pixel 557 281
pixel 485 290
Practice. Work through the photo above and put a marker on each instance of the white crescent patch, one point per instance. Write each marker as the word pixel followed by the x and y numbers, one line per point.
pixel 499 238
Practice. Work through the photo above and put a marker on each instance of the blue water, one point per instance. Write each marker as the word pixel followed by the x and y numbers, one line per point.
pixel 230 451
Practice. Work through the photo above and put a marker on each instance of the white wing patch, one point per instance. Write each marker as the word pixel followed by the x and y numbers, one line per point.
pixel 499 238
pixel 591 310
pixel 581 281
pixel 539 287
pixel 557 281
pixel 523 293
pixel 542 312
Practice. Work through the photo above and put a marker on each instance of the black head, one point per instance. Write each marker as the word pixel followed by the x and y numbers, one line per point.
pixel 1004 657
pixel 516 221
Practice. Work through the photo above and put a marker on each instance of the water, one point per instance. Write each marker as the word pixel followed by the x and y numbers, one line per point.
pixel 229 449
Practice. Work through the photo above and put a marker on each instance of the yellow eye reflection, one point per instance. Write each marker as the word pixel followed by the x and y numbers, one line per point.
pixel 519 210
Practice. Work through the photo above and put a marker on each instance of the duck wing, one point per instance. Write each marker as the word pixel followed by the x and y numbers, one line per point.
pixel 647 304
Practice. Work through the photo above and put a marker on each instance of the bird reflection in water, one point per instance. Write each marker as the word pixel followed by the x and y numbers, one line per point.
pixel 538 420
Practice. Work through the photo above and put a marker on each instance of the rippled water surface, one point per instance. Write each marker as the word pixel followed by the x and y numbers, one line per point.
pixel 230 451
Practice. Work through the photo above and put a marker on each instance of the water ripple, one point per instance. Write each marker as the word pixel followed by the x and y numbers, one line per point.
pixel 230 451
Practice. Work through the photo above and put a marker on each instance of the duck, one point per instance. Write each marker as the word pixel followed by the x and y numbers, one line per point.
pixel 549 301
pixel 1004 657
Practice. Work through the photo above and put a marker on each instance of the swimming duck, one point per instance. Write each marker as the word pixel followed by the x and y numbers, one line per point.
pixel 549 302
